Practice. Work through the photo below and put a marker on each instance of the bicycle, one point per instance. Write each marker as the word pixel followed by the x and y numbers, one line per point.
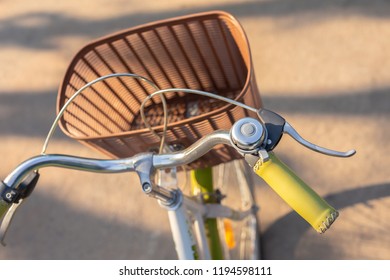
pixel 196 54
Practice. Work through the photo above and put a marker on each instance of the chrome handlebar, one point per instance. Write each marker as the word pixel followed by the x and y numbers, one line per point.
pixel 268 132
pixel 160 161
pixel 143 164
pixel 193 152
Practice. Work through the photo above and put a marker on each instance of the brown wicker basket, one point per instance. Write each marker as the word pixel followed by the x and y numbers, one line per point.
pixel 207 51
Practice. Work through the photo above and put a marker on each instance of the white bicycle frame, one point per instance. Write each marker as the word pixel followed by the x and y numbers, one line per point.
pixel 187 224
pixel 187 217
pixel 188 230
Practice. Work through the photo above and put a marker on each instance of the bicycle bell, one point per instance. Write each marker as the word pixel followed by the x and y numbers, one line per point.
pixel 247 134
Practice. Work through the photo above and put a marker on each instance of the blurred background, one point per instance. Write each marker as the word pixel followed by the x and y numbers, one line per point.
pixel 323 65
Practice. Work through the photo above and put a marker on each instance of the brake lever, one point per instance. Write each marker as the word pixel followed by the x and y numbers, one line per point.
pixel 17 197
pixel 6 222
pixel 288 129
pixel 276 126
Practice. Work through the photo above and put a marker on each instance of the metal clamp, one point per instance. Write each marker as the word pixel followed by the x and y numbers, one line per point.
pixel 145 170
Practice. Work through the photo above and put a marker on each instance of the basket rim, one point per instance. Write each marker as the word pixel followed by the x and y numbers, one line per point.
pixel 147 26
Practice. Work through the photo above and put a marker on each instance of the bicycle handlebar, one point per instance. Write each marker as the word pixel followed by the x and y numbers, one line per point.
pixel 285 182
pixel 160 161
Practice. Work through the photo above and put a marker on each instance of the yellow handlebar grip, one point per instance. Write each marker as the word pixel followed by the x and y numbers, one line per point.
pixel 306 202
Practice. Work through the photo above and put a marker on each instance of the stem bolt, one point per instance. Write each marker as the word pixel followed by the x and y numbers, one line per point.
pixel 147 188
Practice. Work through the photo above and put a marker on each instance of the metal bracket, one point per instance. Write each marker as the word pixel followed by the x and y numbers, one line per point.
pixel 145 170
pixel 222 211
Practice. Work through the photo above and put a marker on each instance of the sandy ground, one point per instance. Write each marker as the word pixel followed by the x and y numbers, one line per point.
pixel 323 65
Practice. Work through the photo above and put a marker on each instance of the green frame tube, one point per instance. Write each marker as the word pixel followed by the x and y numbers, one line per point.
pixel 202 182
